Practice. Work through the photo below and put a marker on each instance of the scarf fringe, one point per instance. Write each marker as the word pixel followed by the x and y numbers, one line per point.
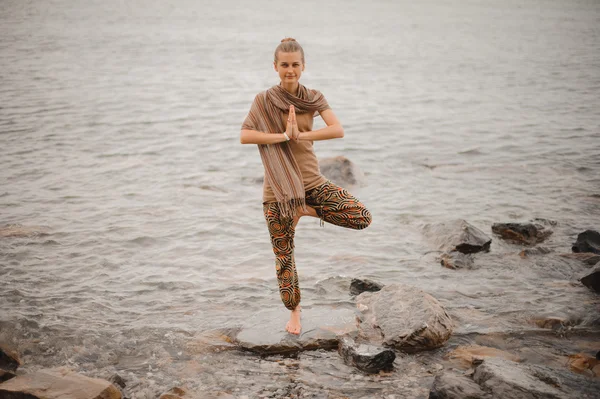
pixel 289 209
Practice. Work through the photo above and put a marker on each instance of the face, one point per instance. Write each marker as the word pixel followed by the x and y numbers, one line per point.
pixel 289 66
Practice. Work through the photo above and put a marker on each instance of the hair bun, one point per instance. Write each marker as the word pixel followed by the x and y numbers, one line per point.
pixel 288 39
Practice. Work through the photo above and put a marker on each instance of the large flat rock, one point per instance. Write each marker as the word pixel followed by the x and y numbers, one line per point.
pixel 321 327
pixel 59 383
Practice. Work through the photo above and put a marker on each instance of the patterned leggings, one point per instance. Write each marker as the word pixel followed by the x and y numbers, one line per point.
pixel 334 205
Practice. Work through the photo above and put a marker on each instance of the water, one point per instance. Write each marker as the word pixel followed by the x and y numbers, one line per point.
pixel 119 150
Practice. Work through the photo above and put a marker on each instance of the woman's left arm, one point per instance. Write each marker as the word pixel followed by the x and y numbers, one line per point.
pixel 334 129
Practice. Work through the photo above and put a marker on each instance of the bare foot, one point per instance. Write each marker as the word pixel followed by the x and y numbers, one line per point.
pixel 293 326
pixel 311 212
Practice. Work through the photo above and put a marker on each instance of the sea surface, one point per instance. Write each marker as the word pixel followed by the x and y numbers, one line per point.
pixel 140 214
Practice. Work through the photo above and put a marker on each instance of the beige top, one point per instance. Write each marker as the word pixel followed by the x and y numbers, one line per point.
pixel 305 157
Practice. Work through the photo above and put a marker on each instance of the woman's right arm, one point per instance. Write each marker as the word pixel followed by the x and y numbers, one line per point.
pixel 256 137
pixel 248 136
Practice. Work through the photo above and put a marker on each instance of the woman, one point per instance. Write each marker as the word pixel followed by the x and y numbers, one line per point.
pixel 280 121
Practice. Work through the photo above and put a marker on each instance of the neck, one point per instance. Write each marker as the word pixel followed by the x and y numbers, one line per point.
pixel 290 87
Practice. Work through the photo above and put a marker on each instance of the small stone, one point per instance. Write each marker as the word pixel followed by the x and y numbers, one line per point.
pixel 521 233
pixel 456 260
pixel 588 241
pixel 457 235
pixel 117 380
pixel 9 358
pixel 534 251
pixel 358 286
pixel 592 280
pixel 367 358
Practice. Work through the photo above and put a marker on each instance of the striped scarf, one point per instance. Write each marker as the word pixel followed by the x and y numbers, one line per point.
pixel 281 169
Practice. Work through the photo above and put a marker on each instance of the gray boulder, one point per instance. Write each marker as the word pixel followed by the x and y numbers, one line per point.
pixel 341 171
pixel 592 280
pixel 521 233
pixel 358 286
pixel 457 235
pixel 588 241
pixel 367 358
pixel 403 317
pixel 455 386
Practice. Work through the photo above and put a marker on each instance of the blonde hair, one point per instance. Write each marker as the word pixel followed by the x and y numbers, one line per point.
pixel 289 45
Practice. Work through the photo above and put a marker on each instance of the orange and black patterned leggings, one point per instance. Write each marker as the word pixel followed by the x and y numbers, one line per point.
pixel 333 205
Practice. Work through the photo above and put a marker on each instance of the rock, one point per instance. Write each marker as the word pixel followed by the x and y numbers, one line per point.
pixel 6 375
pixel 57 383
pixel 117 380
pixel 9 358
pixel 588 241
pixel 174 393
pixel 457 235
pixel 456 260
pixel 534 251
pixel 592 280
pixel 454 386
pixel 358 286
pixel 466 356
pixel 509 380
pixel 552 322
pixel 321 328
pixel 584 364
pixel 367 358
pixel 403 317
pixel 213 341
pixel 341 171
pixel 521 233
pixel 589 258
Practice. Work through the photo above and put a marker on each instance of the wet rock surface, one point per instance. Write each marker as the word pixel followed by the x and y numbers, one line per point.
pixel 466 356
pixel 588 258
pixel 367 358
pixel 534 252
pixel 510 380
pixel 9 359
pixel 57 383
pixel 454 386
pixel 588 241
pixel 358 286
pixel 341 171
pixel 321 328
pixel 521 233
pixel 592 280
pixel 457 260
pixel 457 235
pixel 403 317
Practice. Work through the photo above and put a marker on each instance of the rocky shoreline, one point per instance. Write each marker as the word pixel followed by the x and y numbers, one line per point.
pixel 387 322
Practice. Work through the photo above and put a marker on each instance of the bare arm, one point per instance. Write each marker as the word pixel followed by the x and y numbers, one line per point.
pixel 334 129
pixel 256 137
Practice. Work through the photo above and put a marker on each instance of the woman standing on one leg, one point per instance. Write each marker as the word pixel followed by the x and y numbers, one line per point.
pixel 280 121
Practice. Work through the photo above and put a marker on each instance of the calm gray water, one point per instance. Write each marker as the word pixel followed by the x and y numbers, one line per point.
pixel 119 150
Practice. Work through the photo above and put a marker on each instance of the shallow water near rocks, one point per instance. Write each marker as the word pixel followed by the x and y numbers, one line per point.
pixel 140 226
